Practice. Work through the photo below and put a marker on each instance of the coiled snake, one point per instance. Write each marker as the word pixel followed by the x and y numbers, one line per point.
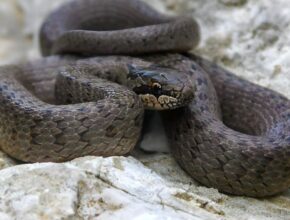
pixel 225 132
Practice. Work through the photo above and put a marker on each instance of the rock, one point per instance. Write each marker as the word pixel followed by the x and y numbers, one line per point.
pixel 249 37
pixel 95 188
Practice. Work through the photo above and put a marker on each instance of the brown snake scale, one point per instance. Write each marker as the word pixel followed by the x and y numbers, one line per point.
pixel 225 132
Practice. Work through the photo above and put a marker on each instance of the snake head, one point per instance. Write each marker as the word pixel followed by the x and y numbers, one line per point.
pixel 160 88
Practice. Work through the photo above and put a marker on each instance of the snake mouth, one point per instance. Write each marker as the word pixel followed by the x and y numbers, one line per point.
pixel 155 91
pixel 162 102
pixel 159 99
pixel 155 98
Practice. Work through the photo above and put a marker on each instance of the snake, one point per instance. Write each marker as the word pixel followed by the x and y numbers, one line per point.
pixel 107 60
pixel 77 101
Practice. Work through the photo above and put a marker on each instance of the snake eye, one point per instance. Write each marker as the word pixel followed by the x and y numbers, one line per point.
pixel 156 86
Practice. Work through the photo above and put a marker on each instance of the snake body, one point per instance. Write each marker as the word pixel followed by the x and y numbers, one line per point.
pixel 115 27
pixel 233 135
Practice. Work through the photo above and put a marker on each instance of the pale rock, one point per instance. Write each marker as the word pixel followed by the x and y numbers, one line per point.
pixel 247 36
pixel 101 188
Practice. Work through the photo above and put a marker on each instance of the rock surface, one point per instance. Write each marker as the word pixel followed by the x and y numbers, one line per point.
pixel 247 36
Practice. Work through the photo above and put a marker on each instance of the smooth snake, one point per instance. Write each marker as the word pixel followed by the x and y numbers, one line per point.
pixel 224 131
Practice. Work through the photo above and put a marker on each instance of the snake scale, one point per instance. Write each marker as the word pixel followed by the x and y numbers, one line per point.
pixel 225 132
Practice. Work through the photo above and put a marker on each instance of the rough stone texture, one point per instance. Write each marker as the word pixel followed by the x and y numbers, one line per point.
pixel 95 188
pixel 247 36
